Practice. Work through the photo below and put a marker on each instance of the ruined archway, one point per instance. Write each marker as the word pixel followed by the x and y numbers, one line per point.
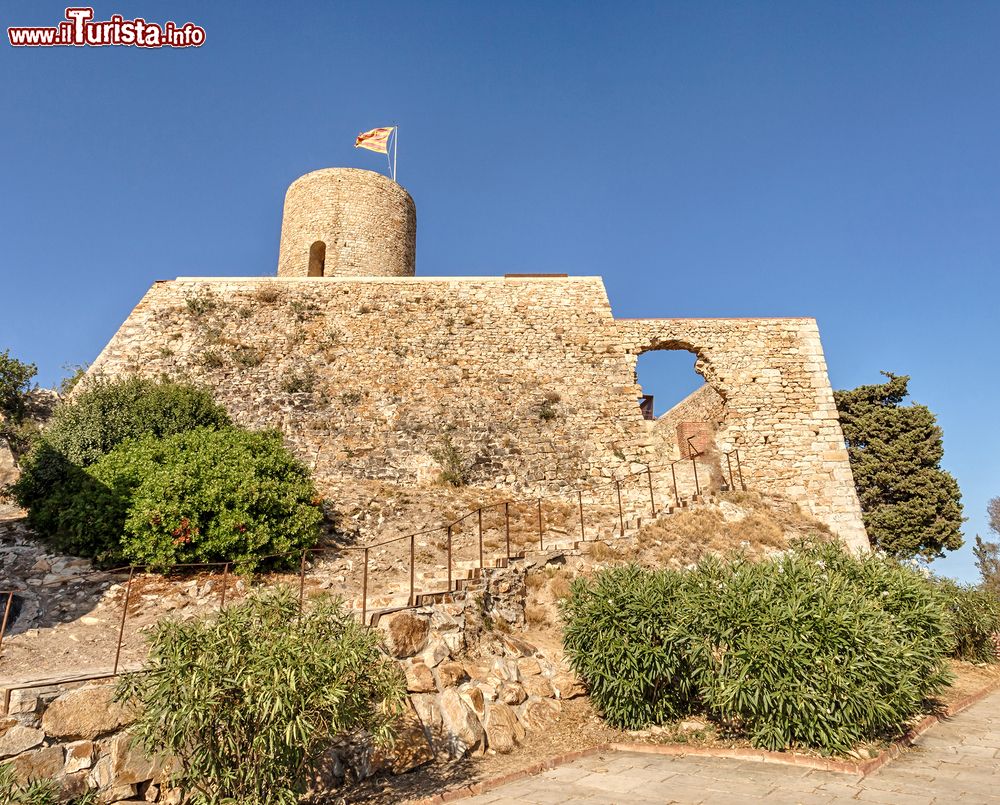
pixel 682 410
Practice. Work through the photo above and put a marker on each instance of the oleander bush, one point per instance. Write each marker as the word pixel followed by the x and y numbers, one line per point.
pixel 200 496
pixel 809 650
pixel 626 636
pixel 249 701
pixel 974 620
pixel 813 648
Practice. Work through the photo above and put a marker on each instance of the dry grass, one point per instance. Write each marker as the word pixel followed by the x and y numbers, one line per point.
pixel 751 525
pixel 602 552
pixel 537 615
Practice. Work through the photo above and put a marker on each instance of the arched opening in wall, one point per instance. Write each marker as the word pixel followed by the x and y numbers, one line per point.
pixel 317 259
pixel 685 409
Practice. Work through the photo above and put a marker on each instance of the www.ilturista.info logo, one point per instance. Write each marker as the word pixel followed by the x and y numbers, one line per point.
pixel 79 29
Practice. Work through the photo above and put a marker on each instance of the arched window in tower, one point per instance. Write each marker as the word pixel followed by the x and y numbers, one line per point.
pixel 317 259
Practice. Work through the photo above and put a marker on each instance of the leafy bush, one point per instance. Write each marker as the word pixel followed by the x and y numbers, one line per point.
pixel 813 648
pixel 975 620
pixel 624 637
pixel 53 472
pixel 200 496
pixel 249 702
pixel 110 411
pixel 806 650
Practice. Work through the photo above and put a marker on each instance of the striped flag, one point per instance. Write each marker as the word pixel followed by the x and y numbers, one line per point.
pixel 375 140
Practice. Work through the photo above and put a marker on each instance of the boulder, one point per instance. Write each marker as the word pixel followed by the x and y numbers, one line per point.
pixel 426 707
pixel 528 666
pixel 39 764
pixel 537 686
pixel 79 756
pixel 419 678
pixel 84 713
pixel 462 731
pixel 567 685
pixel 536 714
pixel 405 633
pixel 129 763
pixel 473 697
pixel 512 693
pixel 435 652
pixel 449 674
pixel 15 739
pixel 503 730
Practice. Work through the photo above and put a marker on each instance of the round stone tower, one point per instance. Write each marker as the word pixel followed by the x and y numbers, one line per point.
pixel 345 222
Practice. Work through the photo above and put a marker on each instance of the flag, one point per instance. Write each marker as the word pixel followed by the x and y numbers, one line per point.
pixel 375 140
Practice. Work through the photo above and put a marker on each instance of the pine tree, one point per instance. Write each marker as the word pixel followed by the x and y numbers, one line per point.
pixel 911 506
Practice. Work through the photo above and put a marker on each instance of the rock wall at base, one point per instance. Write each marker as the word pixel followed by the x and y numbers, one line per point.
pixel 511 381
pixel 472 684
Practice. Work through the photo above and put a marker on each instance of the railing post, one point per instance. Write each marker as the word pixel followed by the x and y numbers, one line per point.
pixel 541 544
pixel 652 500
pixel 729 465
pixel 506 524
pixel 302 580
pixel 6 616
pixel 413 538
pixel 673 477
pixel 621 516
pixel 694 466
pixel 364 592
pixel 583 530
pixel 480 513
pixel 225 580
pixel 449 558
pixel 739 469
pixel 121 627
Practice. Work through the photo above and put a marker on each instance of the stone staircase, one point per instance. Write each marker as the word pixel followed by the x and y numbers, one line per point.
pixel 432 587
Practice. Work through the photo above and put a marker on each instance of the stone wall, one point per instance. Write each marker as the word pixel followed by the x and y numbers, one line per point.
pixel 779 408
pixel 74 734
pixel 367 222
pixel 473 685
pixel 525 383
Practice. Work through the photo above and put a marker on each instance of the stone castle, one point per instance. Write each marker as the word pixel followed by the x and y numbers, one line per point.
pixel 527 381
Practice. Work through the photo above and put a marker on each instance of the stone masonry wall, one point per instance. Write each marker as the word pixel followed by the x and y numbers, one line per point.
pixel 527 383
pixel 779 408
pixel 472 686
pixel 367 221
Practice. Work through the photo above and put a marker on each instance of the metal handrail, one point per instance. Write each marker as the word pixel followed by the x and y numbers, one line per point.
pixel 449 528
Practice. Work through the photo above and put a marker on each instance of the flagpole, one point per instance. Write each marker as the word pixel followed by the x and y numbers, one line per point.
pixel 395 149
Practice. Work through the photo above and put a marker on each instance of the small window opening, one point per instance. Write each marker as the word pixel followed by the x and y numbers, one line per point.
pixel 317 259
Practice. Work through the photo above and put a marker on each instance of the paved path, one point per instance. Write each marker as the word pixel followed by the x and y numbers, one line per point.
pixel 955 762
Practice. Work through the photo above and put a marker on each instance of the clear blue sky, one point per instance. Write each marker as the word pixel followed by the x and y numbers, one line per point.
pixel 836 160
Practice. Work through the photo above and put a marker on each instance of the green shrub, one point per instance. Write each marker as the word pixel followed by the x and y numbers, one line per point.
pixel 89 426
pixel 92 423
pixel 804 650
pixel 814 648
pixel 974 620
pixel 625 637
pixel 249 702
pixel 201 496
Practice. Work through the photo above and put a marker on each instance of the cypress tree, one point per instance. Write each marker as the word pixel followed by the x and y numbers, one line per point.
pixel 911 506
